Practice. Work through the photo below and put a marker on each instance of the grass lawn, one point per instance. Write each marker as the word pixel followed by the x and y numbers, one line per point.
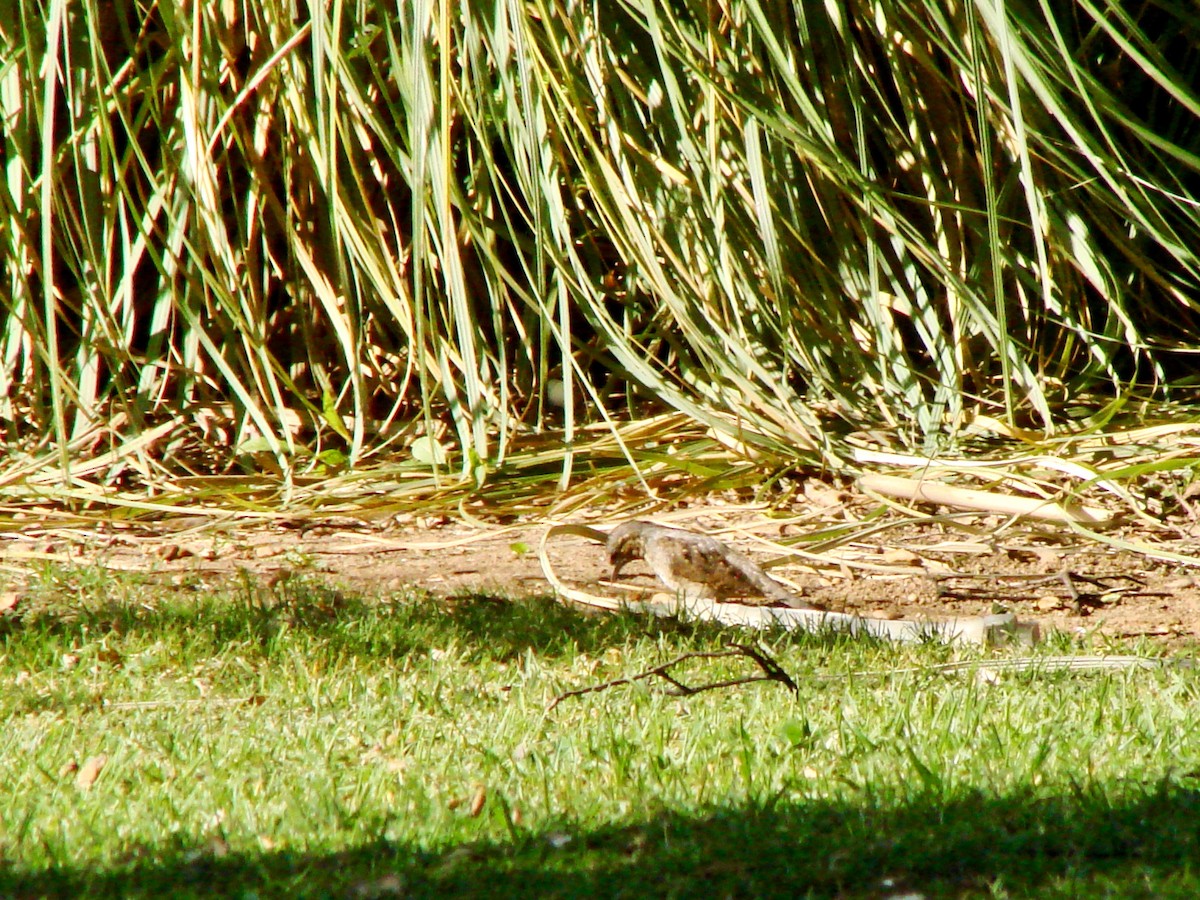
pixel 301 741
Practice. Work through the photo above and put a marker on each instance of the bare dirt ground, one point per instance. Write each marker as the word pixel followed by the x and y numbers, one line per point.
pixel 1044 574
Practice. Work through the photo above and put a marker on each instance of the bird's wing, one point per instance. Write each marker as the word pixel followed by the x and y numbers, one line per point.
pixel 699 559
pixel 703 565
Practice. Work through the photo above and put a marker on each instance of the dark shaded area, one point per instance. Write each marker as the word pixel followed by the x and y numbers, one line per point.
pixel 90 609
pixel 83 606
pixel 1126 840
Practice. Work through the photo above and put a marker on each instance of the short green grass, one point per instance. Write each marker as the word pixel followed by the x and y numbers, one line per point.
pixel 299 741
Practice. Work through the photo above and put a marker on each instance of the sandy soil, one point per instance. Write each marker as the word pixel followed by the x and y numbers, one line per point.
pixel 1042 573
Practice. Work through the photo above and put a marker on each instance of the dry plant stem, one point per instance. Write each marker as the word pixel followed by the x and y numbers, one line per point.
pixel 254 700
pixel 1027 664
pixel 922 490
pixel 772 671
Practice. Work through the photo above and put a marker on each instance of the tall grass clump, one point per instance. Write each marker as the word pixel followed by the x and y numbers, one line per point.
pixel 286 236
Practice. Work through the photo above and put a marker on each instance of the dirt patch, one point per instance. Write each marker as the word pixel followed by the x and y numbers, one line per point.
pixel 928 570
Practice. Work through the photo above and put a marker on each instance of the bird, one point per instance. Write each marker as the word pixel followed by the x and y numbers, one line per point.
pixel 694 565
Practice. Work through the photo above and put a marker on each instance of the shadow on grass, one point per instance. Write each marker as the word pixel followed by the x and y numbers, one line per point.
pixel 1147 843
pixel 481 626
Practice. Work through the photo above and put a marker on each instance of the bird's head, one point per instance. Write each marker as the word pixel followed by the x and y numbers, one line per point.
pixel 625 543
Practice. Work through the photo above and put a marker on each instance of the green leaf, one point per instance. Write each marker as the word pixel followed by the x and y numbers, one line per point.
pixel 333 458
pixel 796 732
pixel 426 449
pixel 329 412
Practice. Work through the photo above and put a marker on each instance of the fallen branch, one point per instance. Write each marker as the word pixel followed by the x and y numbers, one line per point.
pixel 771 671
pixel 994 630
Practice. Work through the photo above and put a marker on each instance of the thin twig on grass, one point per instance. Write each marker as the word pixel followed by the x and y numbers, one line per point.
pixel 252 700
pixel 1081 599
pixel 771 671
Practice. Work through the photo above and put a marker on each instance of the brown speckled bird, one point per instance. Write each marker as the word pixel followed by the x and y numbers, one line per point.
pixel 695 565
